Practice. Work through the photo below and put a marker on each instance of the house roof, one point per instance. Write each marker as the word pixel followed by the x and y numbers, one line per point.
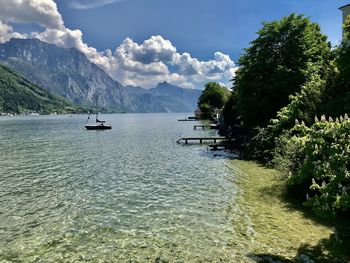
pixel 344 6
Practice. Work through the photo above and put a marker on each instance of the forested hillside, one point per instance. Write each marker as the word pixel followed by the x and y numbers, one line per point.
pixel 20 96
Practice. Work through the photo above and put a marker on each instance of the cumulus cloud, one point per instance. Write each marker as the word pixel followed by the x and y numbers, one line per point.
pixel 43 12
pixel 152 50
pixel 89 4
pixel 145 64
pixel 6 33
pixel 156 60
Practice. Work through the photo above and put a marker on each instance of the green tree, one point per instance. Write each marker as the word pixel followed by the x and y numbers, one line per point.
pixel 214 96
pixel 337 93
pixel 230 111
pixel 303 106
pixel 277 65
pixel 343 58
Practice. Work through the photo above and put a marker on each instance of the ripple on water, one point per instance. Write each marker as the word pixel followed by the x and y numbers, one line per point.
pixel 129 193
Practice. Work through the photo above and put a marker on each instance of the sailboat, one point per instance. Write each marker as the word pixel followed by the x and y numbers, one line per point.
pixel 99 125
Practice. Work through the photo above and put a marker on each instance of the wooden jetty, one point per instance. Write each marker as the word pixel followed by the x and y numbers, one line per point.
pixel 189 119
pixel 211 126
pixel 200 139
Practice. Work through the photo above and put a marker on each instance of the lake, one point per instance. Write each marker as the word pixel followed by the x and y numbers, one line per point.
pixel 131 194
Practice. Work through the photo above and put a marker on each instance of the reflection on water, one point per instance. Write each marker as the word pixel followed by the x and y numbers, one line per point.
pixel 130 193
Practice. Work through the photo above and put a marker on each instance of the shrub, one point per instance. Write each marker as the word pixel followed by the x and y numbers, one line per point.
pixel 317 162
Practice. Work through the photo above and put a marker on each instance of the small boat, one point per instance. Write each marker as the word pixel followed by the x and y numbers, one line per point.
pixel 99 125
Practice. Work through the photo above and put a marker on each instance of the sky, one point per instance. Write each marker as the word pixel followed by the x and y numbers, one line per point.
pixel 144 42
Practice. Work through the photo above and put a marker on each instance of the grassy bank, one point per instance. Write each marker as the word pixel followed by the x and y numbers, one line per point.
pixel 281 230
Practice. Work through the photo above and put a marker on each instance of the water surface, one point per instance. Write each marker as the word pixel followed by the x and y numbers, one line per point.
pixel 126 194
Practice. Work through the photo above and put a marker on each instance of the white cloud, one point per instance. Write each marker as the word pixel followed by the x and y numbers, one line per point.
pixel 156 60
pixel 152 50
pixel 146 64
pixel 6 33
pixel 43 12
pixel 89 4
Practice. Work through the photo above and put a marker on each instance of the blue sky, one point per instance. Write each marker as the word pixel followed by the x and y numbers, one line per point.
pixel 144 42
pixel 199 27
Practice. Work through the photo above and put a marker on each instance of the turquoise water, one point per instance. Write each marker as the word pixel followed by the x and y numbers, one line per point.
pixel 131 193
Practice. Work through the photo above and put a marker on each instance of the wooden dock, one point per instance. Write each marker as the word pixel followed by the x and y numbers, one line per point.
pixel 187 120
pixel 200 139
pixel 211 126
pixel 191 118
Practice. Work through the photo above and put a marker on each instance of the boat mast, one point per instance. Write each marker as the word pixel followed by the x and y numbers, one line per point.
pixel 96 109
pixel 88 118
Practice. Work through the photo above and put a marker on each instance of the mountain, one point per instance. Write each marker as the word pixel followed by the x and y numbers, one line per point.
pixel 18 95
pixel 167 98
pixel 69 73
pixel 63 71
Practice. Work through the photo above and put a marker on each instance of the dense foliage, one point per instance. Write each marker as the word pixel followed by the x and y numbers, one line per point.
pixel 230 111
pixel 276 65
pixel 214 96
pixel 18 95
pixel 327 94
pixel 337 96
pixel 303 106
pixel 317 163
pixel 278 102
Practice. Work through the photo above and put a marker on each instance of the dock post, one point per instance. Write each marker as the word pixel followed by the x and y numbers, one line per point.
pixel 200 141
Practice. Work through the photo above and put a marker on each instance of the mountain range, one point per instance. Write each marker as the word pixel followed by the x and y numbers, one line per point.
pixel 68 73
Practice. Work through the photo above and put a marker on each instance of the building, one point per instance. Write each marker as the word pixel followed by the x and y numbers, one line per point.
pixel 346 11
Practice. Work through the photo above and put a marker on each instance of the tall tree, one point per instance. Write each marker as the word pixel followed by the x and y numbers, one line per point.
pixel 214 96
pixel 344 54
pixel 277 65
pixel 338 93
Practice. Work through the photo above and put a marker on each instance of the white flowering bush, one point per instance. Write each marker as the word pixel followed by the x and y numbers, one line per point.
pixel 319 158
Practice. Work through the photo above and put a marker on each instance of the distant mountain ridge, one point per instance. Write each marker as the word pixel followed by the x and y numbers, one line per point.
pixel 167 98
pixel 69 73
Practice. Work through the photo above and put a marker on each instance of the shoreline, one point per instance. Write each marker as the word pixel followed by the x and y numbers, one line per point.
pixel 281 230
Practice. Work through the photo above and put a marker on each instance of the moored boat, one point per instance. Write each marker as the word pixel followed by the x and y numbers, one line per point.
pixel 99 125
